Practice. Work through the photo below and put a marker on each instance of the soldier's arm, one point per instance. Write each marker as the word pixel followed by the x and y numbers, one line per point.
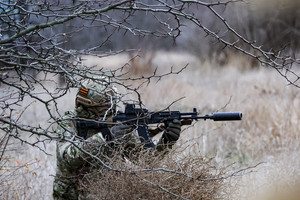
pixel 70 149
pixel 73 155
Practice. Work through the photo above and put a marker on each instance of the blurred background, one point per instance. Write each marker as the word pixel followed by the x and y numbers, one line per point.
pixel 273 24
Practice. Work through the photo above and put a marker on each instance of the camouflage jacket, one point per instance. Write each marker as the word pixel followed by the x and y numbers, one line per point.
pixel 72 163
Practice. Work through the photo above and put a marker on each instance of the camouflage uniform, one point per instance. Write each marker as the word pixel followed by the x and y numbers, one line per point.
pixel 97 102
pixel 70 160
pixel 93 101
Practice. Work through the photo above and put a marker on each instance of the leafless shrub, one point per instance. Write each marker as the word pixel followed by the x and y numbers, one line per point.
pixel 153 175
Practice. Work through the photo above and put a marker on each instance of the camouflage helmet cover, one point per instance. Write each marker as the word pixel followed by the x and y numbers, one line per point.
pixel 97 93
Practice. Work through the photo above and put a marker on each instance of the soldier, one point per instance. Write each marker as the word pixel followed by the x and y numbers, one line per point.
pixel 94 101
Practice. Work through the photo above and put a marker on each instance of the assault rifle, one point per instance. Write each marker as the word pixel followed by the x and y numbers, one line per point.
pixel 141 117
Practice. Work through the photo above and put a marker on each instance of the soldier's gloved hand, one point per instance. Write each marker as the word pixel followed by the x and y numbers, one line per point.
pixel 120 130
pixel 172 132
pixel 93 144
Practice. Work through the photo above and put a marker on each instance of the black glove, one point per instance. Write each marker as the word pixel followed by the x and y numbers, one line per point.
pixel 120 130
pixel 172 132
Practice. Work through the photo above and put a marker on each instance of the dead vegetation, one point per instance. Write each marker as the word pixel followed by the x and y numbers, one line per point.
pixel 153 175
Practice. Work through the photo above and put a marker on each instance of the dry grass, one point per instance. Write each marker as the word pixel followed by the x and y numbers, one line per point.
pixel 152 175
pixel 284 192
pixel 268 133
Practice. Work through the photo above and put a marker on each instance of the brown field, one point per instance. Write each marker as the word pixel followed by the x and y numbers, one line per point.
pixel 268 133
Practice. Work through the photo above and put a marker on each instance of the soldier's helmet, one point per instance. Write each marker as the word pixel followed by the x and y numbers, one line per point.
pixel 97 95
